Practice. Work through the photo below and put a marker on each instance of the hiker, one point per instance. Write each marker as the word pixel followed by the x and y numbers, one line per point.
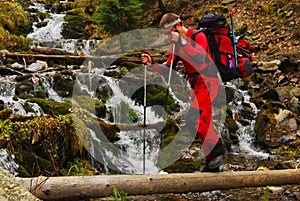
pixel 204 80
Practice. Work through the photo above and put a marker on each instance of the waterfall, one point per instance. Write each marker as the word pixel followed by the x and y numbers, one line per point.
pixel 119 96
pixel 245 133
pixel 126 155
pixel 51 32
pixel 50 35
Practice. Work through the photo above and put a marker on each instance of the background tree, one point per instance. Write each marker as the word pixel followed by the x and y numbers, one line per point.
pixel 117 16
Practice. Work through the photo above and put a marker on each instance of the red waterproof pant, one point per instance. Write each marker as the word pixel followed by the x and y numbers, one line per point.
pixel 200 119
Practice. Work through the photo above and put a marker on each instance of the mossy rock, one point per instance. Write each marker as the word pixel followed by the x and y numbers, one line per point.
pixel 264 126
pixel 93 106
pixel 42 145
pixel 25 89
pixel 111 131
pixel 76 20
pixel 63 83
pixel 22 172
pixel 5 114
pixel 185 165
pixel 52 107
pixel 170 129
pixel 79 167
pixel 30 161
pixel 104 92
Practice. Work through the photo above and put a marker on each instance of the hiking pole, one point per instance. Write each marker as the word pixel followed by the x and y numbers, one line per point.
pixel 169 78
pixel 233 39
pixel 168 86
pixel 145 105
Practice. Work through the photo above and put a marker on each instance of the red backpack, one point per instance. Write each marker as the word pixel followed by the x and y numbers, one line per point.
pixel 214 26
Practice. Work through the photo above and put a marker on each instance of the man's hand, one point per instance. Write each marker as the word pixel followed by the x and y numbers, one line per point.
pixel 146 59
pixel 175 36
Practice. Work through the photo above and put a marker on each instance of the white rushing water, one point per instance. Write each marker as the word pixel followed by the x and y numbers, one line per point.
pixel 245 133
pixel 7 162
pixel 50 35
pixel 7 93
pixel 51 32
pixel 127 154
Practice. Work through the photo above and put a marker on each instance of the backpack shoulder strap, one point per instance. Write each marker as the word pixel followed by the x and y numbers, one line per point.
pixel 213 47
pixel 194 36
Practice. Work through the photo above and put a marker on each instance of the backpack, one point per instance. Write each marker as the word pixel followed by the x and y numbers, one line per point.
pixel 214 26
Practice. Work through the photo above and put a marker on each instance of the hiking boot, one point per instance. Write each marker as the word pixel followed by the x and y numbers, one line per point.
pixel 217 158
pixel 206 169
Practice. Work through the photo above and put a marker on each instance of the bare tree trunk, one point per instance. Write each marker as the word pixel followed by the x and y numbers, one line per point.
pixel 80 187
pixel 161 6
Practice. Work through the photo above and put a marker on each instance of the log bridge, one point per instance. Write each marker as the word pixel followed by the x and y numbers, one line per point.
pixel 80 187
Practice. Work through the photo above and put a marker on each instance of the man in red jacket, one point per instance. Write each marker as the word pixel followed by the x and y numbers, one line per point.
pixel 205 83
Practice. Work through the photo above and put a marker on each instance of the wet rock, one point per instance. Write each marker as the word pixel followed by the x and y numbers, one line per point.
pixel 17 66
pixel 276 189
pixel 271 66
pixel 39 65
pixel 276 127
pixel 285 165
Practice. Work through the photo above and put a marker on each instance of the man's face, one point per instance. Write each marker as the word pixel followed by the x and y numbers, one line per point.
pixel 169 30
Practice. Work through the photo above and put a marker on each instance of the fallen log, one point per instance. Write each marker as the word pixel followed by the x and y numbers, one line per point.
pixel 69 59
pixel 79 187
pixel 50 50
pixel 46 56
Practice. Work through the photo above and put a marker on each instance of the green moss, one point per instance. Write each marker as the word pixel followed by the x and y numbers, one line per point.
pixel 232 125
pixel 22 172
pixel 96 107
pixel 52 107
pixel 185 166
pixel 170 129
pixel 27 107
pixel 79 167
pixel 41 24
pixel 42 145
pixel 110 131
pixel 5 114
pixel 104 92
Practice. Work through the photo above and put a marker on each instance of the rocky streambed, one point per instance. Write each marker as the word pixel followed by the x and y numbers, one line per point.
pixel 273 88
